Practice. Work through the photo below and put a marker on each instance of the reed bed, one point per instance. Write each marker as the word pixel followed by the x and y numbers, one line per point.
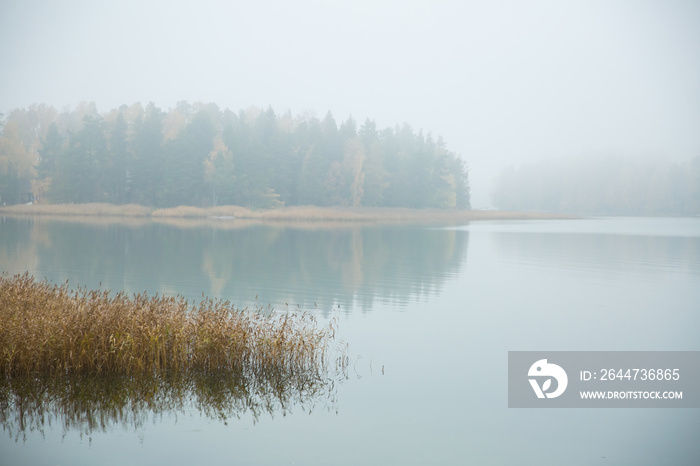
pixel 284 214
pixel 85 210
pixel 52 329
pixel 230 212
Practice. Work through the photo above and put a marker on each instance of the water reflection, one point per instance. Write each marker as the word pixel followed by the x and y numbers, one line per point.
pixel 312 265
pixel 444 348
pixel 100 402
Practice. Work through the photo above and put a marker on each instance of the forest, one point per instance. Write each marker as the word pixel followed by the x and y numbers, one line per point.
pixel 613 185
pixel 198 155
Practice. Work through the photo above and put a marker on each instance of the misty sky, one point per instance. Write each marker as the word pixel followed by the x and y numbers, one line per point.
pixel 502 82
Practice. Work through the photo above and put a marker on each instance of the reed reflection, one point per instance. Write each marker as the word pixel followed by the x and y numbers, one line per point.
pixel 93 403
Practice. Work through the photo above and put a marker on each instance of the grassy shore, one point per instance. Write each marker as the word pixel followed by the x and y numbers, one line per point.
pixel 51 329
pixel 87 210
pixel 287 214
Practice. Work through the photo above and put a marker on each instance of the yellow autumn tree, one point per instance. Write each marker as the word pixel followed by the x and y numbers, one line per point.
pixel 219 172
pixel 354 160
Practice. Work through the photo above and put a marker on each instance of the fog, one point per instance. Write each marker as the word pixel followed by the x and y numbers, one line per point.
pixel 502 82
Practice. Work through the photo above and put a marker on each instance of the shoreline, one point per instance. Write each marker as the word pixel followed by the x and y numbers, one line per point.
pixel 281 214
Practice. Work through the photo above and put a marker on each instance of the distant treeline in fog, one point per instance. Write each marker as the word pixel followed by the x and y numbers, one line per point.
pixel 602 186
pixel 197 154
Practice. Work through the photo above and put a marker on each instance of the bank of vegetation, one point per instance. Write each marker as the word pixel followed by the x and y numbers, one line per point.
pixel 54 330
pixel 199 155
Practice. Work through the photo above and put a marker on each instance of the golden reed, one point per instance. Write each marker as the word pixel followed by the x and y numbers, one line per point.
pixel 52 329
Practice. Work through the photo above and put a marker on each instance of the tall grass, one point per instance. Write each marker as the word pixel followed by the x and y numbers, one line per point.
pixel 51 329
pixel 90 359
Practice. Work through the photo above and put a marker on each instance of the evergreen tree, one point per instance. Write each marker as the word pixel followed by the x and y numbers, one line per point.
pixel 115 170
pixel 79 169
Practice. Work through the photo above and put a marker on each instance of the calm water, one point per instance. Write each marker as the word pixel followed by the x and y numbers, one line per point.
pixel 430 314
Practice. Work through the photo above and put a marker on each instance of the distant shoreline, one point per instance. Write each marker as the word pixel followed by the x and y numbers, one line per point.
pixel 295 213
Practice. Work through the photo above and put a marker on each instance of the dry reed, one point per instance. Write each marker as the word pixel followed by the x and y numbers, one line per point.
pixel 284 214
pixel 51 329
pixel 86 210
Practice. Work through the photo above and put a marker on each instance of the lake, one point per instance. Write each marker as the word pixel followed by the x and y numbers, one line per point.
pixel 429 313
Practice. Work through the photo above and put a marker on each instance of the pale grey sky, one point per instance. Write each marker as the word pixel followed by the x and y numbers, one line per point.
pixel 502 81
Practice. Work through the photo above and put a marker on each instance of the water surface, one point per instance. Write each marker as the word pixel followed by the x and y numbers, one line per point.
pixel 430 314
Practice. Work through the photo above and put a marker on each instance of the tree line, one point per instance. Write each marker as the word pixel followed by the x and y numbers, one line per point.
pixel 602 186
pixel 197 154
